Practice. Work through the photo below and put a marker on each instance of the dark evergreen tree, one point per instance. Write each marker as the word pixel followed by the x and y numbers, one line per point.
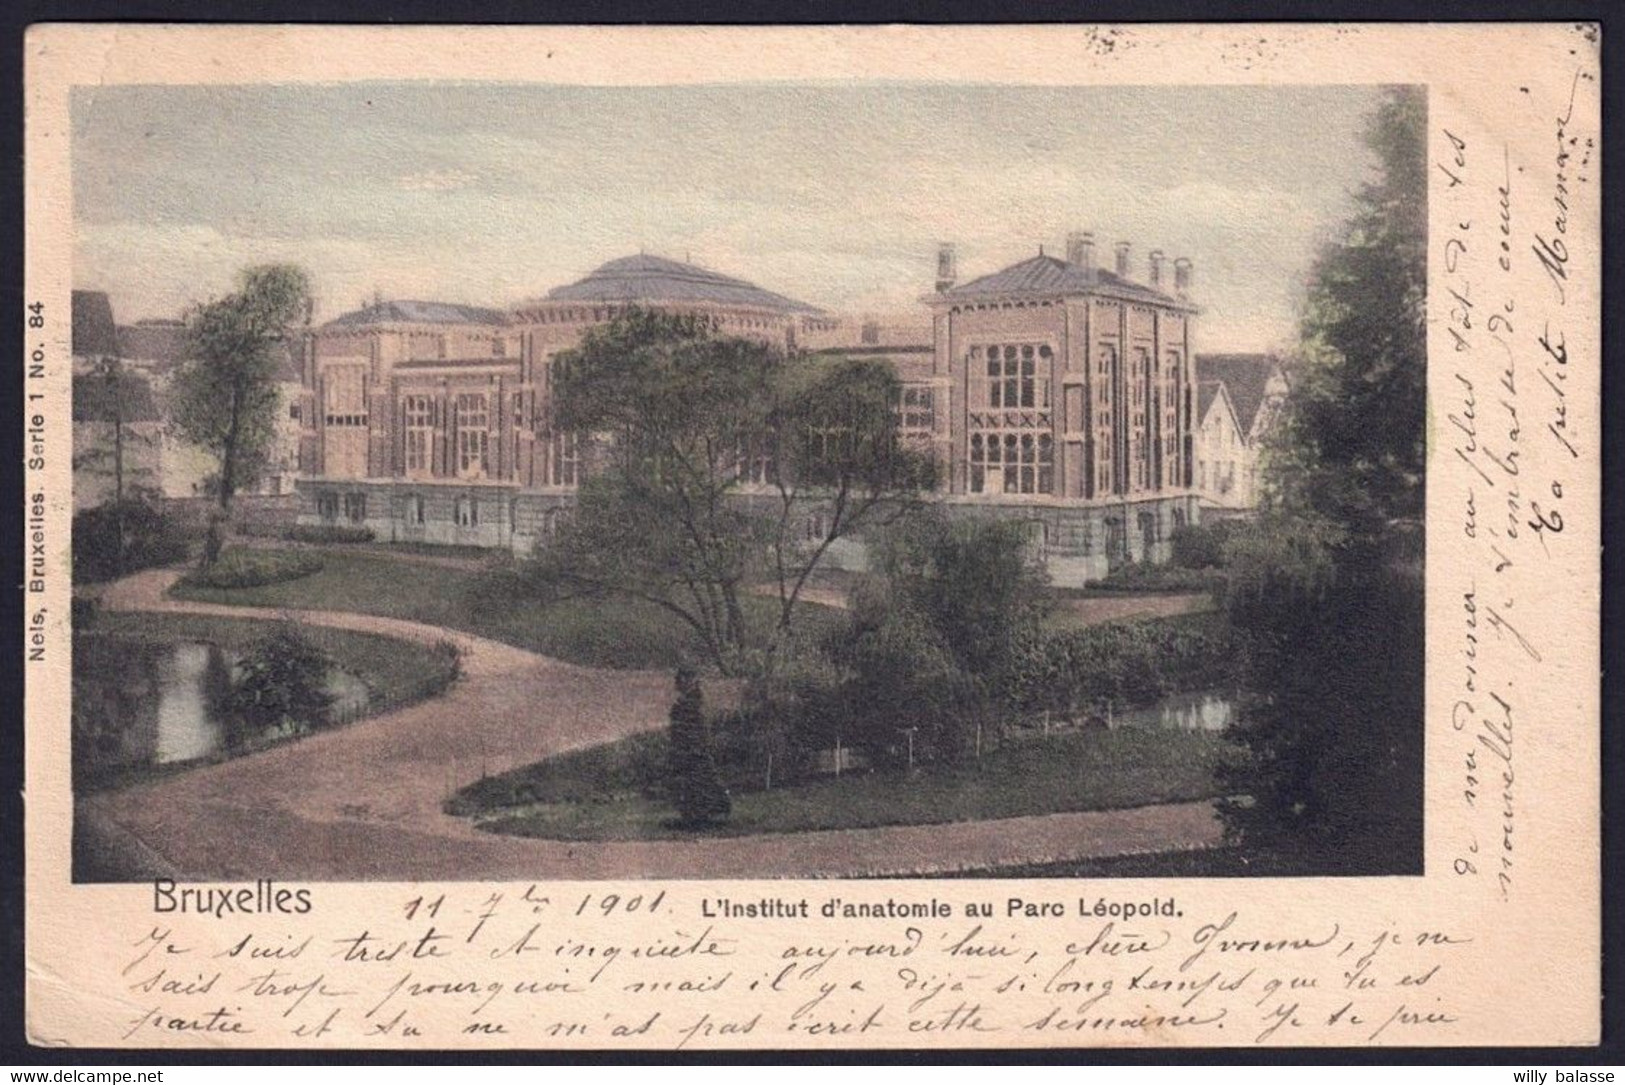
pixel 693 780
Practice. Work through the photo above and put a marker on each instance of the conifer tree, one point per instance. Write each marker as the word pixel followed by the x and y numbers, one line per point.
pixel 693 780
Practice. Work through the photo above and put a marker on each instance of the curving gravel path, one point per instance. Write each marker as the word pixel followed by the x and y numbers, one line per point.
pixel 363 802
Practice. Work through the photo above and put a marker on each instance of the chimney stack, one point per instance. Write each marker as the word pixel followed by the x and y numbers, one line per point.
pixel 947 267
pixel 1122 258
pixel 1156 267
pixel 1080 250
pixel 1182 276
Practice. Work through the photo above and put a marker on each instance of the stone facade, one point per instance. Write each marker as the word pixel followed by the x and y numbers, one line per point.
pixel 430 419
pixel 1068 397
pixel 1051 392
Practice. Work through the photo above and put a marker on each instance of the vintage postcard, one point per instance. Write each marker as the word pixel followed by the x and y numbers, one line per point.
pixel 728 538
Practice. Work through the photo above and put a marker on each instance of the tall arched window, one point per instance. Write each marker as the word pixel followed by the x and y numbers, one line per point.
pixel 473 434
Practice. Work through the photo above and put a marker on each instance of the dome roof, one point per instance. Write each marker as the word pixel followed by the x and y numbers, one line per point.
pixel 657 279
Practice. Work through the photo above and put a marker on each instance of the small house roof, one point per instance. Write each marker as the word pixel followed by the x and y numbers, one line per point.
pixel 94 332
pixel 1244 376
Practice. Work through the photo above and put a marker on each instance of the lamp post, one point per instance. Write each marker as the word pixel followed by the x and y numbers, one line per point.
pixel 909 731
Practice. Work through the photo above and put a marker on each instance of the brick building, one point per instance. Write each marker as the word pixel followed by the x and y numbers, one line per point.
pixel 427 422
pixel 1052 391
pixel 1065 397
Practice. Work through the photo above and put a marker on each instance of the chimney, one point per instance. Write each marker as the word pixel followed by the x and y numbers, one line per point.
pixel 1156 267
pixel 1080 250
pixel 1122 258
pixel 1182 276
pixel 947 267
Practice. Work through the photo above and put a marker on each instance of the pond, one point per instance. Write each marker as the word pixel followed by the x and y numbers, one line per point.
pixel 139 703
pixel 1208 710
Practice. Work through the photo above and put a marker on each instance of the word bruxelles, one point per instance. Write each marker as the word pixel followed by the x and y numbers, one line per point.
pixel 263 898
pixel 1014 908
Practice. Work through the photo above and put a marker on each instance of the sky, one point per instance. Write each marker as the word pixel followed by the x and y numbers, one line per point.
pixel 837 195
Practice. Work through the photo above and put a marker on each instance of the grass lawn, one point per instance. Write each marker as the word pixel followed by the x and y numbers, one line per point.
pixel 1220 862
pixel 599 793
pixel 616 633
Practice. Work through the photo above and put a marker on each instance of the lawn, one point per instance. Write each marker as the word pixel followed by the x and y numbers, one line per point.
pixel 601 793
pixel 616 633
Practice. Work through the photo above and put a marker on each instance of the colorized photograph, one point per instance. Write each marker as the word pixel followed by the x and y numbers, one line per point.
pixel 483 481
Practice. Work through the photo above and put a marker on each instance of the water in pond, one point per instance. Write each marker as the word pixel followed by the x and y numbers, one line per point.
pixel 1205 711
pixel 139 703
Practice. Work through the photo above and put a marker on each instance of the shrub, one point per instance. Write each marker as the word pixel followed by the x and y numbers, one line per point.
pixel 694 783
pixel 83 612
pixel 1201 546
pixel 448 666
pixel 329 533
pixel 1143 576
pixel 283 684
pixel 1129 663
pixel 150 539
pixel 241 567
pixel 1335 775
pixel 906 682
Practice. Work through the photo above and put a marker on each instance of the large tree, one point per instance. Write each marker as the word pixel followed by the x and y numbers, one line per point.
pixel 719 464
pixel 225 396
pixel 1328 582
pixel 1349 445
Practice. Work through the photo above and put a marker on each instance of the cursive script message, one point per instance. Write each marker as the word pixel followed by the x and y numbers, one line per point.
pixel 537 965
pixel 1508 273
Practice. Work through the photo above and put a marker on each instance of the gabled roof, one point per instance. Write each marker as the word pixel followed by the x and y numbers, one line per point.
pixel 94 332
pixel 418 312
pixel 1244 377
pixel 657 279
pixel 1210 392
pixel 1051 275
pixel 160 346
pixel 94 398
pixel 162 343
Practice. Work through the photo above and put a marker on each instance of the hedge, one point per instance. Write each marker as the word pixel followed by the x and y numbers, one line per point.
pixel 150 539
pixel 1127 663
pixel 329 533
pixel 240 567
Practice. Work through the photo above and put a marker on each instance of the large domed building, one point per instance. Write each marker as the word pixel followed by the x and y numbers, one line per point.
pixel 1054 392
pixel 427 421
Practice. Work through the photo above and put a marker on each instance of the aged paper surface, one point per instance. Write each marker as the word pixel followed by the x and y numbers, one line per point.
pixel 316 894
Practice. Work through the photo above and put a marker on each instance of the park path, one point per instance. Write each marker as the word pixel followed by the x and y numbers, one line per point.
pixel 363 802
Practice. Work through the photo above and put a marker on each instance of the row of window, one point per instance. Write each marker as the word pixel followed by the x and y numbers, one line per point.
pixel 465 510
pixel 471 415
pixel 1016 374
pixel 1004 462
pixel 1039 538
